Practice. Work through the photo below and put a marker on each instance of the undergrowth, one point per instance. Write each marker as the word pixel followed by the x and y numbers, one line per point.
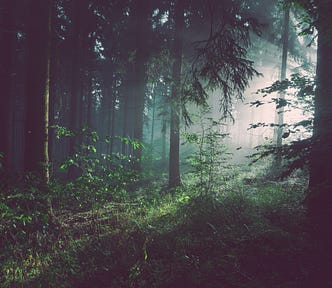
pixel 246 235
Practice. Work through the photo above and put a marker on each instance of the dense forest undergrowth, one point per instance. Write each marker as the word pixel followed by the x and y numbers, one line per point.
pixel 250 232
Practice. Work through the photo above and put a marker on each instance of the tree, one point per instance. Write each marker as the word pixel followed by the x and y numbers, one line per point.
pixel 218 62
pixel 320 182
pixel 141 22
pixel 7 36
pixel 174 153
pixel 77 39
pixel 278 132
pixel 319 200
pixel 322 134
pixel 37 90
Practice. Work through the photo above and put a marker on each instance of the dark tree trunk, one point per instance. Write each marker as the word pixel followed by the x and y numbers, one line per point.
pixel 153 119
pixel 321 166
pixel 76 91
pixel 90 102
pixel 7 39
pixel 76 101
pixel 320 182
pixel 126 102
pixel 108 106
pixel 174 156
pixel 108 109
pixel 141 31
pixel 38 77
pixel 52 93
pixel 112 119
pixel 163 143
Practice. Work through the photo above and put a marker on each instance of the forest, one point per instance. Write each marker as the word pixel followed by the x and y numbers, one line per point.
pixel 166 143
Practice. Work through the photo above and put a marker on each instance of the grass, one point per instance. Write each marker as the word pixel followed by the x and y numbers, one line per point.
pixel 244 236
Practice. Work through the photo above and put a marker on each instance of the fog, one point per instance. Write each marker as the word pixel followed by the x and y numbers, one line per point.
pixel 242 140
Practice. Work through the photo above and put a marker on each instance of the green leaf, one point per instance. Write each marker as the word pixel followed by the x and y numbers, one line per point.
pixel 92 148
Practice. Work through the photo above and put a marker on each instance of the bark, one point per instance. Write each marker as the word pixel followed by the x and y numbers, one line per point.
pixel 126 111
pixel 278 132
pixel 320 182
pixel 141 31
pixel 7 38
pixel 89 102
pixel 52 92
pixel 163 143
pixel 38 80
pixel 112 120
pixel 174 154
pixel 76 97
pixel 153 119
pixel 76 101
pixel 321 162
pixel 108 106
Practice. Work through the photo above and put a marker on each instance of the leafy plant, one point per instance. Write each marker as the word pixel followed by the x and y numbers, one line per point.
pixel 95 177
pixel 300 90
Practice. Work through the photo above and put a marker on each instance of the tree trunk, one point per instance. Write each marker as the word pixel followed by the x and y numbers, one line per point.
pixel 153 119
pixel 163 143
pixel 76 97
pixel 141 31
pixel 320 182
pixel 126 111
pixel 90 102
pixel 52 94
pixel 108 107
pixel 38 80
pixel 278 132
pixel 112 119
pixel 174 154
pixel 7 39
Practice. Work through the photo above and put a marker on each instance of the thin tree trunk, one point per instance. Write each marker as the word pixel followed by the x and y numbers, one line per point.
pixel 112 108
pixel 153 118
pixel 278 132
pixel 89 104
pixel 103 114
pixel 163 142
pixel 174 154
pixel 125 115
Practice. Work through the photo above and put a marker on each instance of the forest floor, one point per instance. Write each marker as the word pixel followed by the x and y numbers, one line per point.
pixel 248 235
